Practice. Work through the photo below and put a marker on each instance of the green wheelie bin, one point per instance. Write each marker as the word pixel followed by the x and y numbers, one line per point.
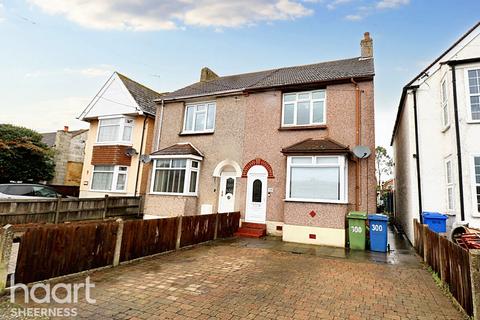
pixel 356 230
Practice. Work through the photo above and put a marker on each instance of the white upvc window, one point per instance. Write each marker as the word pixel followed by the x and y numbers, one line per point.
pixel 450 185
pixel 317 179
pixel 175 176
pixel 304 108
pixel 474 93
pixel 444 102
pixel 115 130
pixel 109 178
pixel 476 183
pixel 199 118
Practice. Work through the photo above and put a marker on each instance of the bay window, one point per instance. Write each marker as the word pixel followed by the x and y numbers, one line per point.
pixel 115 130
pixel 317 179
pixel 109 178
pixel 199 118
pixel 474 93
pixel 304 108
pixel 175 176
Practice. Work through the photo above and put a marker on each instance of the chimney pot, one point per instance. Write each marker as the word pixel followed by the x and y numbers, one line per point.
pixel 65 128
pixel 366 46
pixel 207 74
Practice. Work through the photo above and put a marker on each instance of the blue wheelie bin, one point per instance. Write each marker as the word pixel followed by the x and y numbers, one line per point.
pixel 437 222
pixel 378 224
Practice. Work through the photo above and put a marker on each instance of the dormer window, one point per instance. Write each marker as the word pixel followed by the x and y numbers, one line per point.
pixel 199 118
pixel 115 130
pixel 305 108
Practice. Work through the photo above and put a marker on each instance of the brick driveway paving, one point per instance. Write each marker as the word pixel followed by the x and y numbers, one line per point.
pixel 229 281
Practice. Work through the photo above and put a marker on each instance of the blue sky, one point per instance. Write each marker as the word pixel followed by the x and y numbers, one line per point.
pixel 56 54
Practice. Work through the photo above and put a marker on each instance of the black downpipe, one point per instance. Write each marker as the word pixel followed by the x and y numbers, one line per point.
pixel 139 155
pixel 417 152
pixel 459 146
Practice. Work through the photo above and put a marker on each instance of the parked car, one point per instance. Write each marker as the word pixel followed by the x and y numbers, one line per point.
pixel 26 191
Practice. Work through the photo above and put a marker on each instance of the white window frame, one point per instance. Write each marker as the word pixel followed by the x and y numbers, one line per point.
pixel 468 94
pixel 195 105
pixel 450 185
pixel 475 211
pixel 342 165
pixel 311 123
pixel 116 173
pixel 444 103
pixel 123 124
pixel 188 170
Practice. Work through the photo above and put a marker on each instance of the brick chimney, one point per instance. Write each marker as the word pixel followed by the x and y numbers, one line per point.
pixel 206 75
pixel 65 128
pixel 367 46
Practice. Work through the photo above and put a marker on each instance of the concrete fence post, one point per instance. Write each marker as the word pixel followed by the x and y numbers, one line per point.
pixel 105 209
pixel 179 232
pixel 475 281
pixel 118 243
pixel 6 242
pixel 57 210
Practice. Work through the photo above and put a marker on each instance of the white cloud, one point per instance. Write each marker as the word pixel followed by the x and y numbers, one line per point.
pixel 90 72
pixel 2 12
pixel 335 3
pixel 354 17
pixel 390 4
pixel 148 15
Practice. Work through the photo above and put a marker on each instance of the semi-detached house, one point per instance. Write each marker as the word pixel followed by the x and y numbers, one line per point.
pixel 275 145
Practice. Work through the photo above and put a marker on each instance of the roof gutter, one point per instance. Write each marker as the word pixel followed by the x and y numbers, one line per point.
pixel 452 64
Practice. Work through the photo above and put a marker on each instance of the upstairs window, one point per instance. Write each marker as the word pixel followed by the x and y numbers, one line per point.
pixel 199 118
pixel 304 108
pixel 175 176
pixel 115 130
pixel 444 100
pixel 474 93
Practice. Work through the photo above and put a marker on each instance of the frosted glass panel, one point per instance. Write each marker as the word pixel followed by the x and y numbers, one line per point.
pixel 315 183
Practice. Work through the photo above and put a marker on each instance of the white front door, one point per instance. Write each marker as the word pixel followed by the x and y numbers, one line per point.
pixel 226 200
pixel 256 207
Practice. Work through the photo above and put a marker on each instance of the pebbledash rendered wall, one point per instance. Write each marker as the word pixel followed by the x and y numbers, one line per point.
pixel 247 128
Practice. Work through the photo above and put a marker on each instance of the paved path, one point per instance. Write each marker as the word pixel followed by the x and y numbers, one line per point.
pixel 238 280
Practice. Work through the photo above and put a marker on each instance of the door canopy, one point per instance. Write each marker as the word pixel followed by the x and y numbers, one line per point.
pixel 258 162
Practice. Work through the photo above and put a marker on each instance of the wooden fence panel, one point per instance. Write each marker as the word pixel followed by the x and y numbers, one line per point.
pixel 146 237
pixel 51 251
pixel 69 209
pixel 196 229
pixel 450 261
pixel 228 224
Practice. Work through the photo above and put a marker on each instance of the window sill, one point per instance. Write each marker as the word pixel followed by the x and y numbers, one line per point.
pixel 473 122
pixel 172 194
pixel 196 133
pixel 316 201
pixel 314 127
pixel 113 143
pixel 108 191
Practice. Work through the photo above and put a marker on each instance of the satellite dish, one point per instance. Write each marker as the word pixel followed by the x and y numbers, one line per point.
pixel 362 152
pixel 145 158
pixel 131 152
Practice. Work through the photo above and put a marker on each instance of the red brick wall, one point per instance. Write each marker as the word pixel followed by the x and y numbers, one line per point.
pixel 110 155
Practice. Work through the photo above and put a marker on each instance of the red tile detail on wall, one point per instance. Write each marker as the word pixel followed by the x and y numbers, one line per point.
pixel 312 213
pixel 312 236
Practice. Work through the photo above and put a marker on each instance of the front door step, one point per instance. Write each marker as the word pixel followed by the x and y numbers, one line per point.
pixel 252 230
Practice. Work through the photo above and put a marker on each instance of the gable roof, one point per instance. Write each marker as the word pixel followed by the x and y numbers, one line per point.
pixel 144 96
pixel 179 149
pixel 423 72
pixel 317 146
pixel 305 74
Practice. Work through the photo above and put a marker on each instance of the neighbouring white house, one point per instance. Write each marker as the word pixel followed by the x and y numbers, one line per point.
pixel 436 138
